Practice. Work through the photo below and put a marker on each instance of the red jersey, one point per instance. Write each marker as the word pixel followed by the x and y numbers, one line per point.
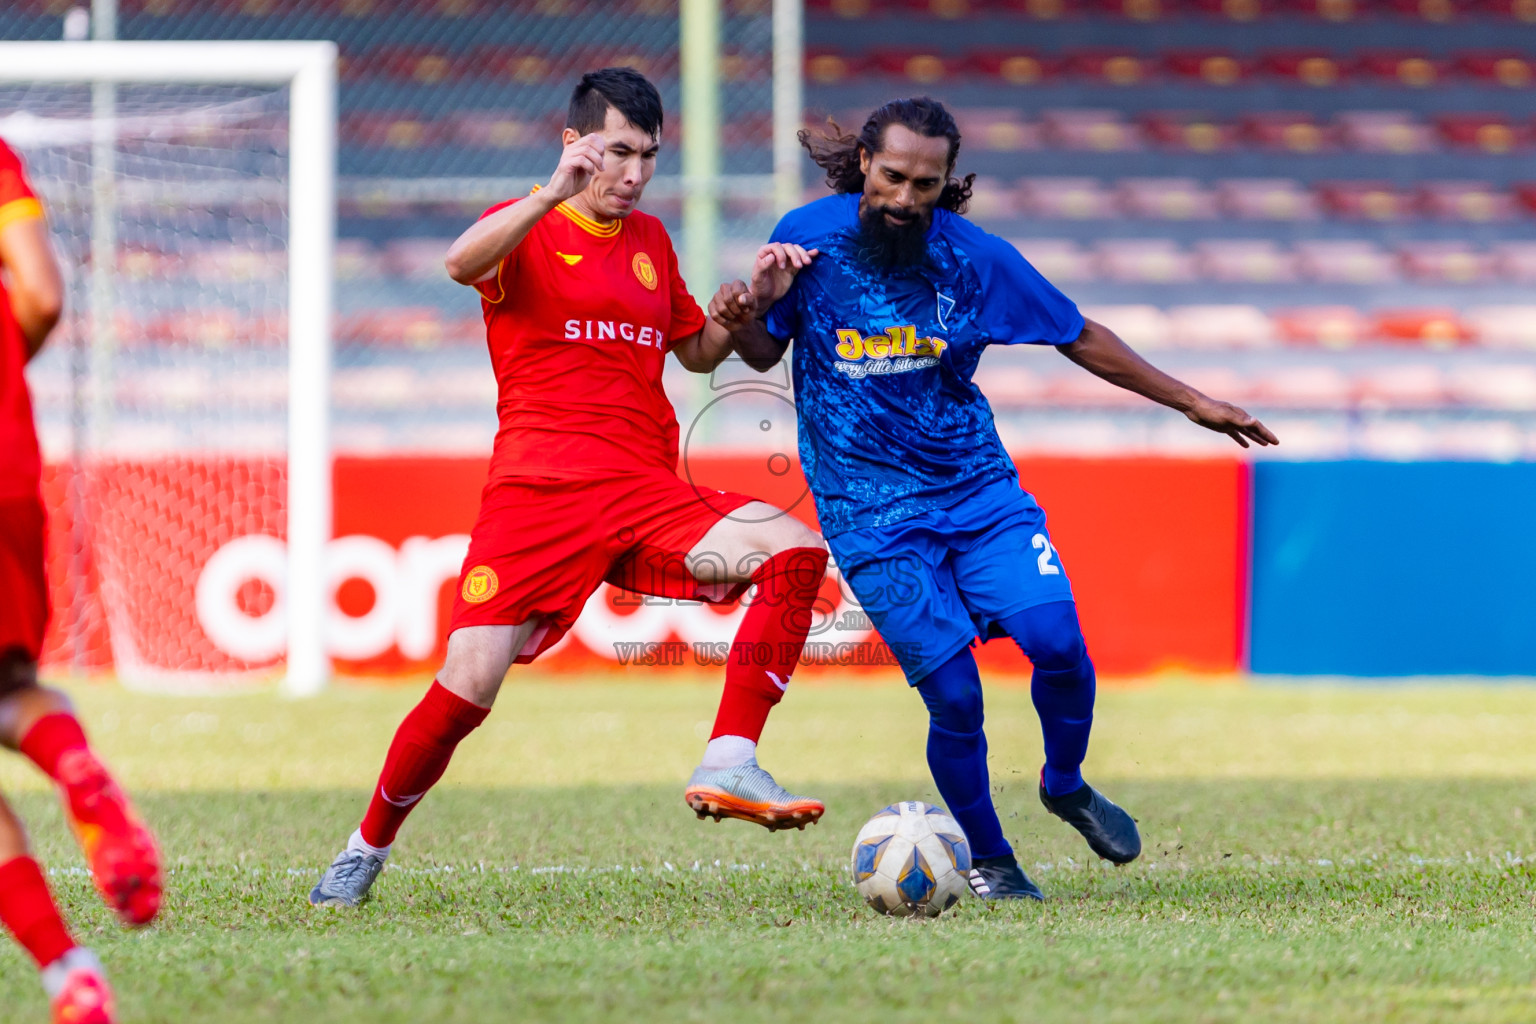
pixel 21 466
pixel 579 319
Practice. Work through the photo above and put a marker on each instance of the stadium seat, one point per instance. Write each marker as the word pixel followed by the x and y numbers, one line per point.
pixel 1244 260
pixel 1291 131
pixel 1113 67
pixel 1416 71
pixel 1511 387
pixel 1234 10
pixel 1503 326
pixel 1010 385
pixel 1060 260
pixel 1231 385
pixel 1002 129
pixel 1143 261
pixel 1220 326
pixel 1431 10
pixel 1104 131
pixel 1472 201
pixel 1213 67
pixel 357 260
pixel 404 130
pixel 407 327
pixel 1432 328
pixel 1401 386
pixel 1188 130
pixel 1516 261
pixel 494 131
pixel 1509 68
pixel 417 258
pixel 1384 131
pixel 1330 10
pixel 1013 66
pixel 851 9
pixel 1141 327
pixel 1166 199
pixel 1379 201
pixel 1445 262
pixel 1490 133
pixel 377 388
pixel 1140 10
pixel 1345 261
pixel 1267 199
pixel 922 67
pixel 1064 198
pixel 993 199
pixel 1323 326
pixel 1305 387
pixel 1317 69
pixel 832 67
pixel 1084 389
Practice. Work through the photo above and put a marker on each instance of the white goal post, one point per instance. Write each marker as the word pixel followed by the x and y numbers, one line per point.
pixel 308 71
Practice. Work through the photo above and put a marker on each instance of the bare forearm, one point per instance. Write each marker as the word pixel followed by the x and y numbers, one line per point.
pixel 36 320
pixel 478 250
pixel 757 348
pixel 704 351
pixel 1101 352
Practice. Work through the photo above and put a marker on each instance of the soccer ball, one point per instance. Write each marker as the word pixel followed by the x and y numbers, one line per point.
pixel 911 859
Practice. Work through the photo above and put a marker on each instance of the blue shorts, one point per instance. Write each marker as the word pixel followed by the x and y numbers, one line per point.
pixel 935 582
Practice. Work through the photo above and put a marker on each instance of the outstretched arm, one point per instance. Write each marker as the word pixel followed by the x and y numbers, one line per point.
pixel 1101 352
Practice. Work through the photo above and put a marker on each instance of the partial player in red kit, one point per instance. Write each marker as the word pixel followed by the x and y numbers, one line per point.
pixel 35 720
pixel 583 301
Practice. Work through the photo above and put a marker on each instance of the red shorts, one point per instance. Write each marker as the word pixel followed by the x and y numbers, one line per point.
pixel 541 547
pixel 23 576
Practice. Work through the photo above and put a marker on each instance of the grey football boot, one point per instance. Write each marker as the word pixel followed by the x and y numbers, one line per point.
pixel 347 881
pixel 749 793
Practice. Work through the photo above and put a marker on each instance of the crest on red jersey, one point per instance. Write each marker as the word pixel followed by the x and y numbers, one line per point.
pixel 645 270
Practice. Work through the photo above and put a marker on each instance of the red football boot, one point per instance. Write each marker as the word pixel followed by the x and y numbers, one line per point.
pixel 84 997
pixel 118 846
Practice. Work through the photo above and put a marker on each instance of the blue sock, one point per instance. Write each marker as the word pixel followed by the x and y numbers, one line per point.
pixel 957 752
pixel 1062 688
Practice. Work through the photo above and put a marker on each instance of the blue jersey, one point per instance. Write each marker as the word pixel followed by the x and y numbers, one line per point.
pixel 890 424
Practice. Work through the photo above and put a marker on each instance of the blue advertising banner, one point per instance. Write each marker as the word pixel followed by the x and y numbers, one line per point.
pixel 1394 569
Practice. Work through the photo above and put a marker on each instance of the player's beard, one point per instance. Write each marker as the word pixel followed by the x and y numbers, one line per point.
pixel 892 246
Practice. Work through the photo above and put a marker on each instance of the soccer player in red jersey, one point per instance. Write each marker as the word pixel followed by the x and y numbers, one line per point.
pixel 35 720
pixel 583 301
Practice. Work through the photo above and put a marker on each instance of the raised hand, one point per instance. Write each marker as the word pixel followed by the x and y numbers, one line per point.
pixel 775 269
pixel 733 306
pixel 1226 418
pixel 578 163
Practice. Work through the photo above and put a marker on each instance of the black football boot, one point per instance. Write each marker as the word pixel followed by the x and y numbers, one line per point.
pixel 1001 878
pixel 1110 831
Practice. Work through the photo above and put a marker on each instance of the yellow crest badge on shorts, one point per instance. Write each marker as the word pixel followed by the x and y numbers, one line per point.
pixel 480 584
pixel 645 270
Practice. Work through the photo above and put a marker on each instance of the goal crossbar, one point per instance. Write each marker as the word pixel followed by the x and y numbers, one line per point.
pixel 309 71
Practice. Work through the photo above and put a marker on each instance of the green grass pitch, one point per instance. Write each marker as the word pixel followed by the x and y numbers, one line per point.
pixel 1312 853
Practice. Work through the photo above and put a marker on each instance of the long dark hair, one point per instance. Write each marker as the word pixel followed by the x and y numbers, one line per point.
pixel 837 152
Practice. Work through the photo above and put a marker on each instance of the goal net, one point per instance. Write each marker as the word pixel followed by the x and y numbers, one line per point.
pixel 182 402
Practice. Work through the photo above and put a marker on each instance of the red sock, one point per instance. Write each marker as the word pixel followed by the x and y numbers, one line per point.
pixel 50 738
pixel 769 641
pixel 28 911
pixel 417 758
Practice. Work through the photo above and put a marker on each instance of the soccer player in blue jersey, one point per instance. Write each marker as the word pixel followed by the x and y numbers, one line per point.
pixel 890 296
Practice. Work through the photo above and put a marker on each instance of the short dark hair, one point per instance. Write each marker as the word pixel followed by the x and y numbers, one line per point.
pixel 837 153
pixel 625 90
